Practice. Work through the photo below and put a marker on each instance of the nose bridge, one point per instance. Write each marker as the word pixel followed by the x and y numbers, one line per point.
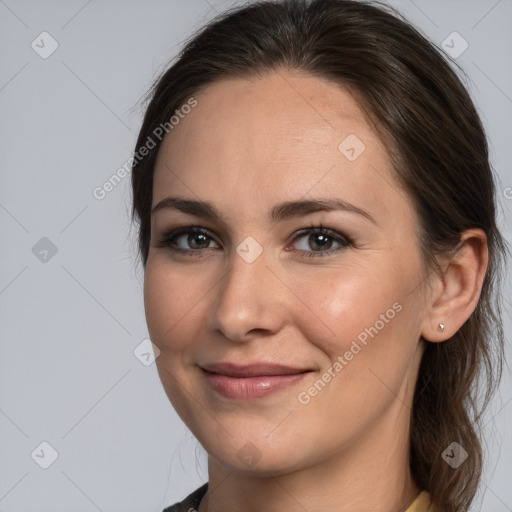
pixel 246 297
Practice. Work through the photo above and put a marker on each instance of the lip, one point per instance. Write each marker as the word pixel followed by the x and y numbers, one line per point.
pixel 252 370
pixel 251 381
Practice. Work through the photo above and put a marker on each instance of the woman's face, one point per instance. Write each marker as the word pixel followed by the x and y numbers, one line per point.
pixel 310 335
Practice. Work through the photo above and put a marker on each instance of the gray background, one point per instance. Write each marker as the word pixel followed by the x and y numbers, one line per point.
pixel 70 321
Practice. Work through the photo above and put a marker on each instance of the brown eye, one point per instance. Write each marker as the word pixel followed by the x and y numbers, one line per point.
pixel 195 240
pixel 318 241
pixel 191 239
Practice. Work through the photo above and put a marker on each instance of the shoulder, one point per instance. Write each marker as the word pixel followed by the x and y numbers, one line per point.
pixel 421 504
pixel 191 502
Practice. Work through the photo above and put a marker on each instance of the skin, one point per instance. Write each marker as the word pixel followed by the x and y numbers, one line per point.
pixel 246 146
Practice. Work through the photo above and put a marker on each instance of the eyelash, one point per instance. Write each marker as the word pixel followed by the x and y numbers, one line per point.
pixel 168 239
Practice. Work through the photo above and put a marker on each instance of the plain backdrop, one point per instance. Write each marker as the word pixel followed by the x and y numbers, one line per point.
pixel 72 316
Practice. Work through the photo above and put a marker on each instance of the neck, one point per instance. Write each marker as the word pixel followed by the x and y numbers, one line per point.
pixel 371 474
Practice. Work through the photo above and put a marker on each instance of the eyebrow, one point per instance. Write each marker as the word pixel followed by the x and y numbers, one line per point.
pixel 279 212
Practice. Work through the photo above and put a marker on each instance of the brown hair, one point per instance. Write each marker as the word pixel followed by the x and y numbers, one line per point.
pixel 440 156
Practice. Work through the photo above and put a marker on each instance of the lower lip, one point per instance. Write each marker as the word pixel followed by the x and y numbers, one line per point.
pixel 251 387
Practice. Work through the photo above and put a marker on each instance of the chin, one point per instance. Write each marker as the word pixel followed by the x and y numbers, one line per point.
pixel 255 454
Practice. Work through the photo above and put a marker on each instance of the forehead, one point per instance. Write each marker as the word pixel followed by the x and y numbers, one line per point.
pixel 275 137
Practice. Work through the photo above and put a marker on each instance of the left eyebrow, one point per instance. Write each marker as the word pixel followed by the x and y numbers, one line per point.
pixel 292 209
pixel 279 212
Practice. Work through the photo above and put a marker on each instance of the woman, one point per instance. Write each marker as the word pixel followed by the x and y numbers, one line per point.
pixel 317 227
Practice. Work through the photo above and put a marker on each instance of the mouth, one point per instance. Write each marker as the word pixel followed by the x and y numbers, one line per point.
pixel 251 381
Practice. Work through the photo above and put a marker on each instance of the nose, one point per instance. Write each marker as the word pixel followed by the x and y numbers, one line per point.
pixel 249 301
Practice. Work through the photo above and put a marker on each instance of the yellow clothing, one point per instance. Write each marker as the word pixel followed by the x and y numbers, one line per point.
pixel 421 504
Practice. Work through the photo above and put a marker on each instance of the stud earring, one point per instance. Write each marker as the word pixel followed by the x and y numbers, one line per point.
pixel 441 327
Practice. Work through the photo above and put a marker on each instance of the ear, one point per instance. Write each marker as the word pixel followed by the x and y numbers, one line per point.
pixel 455 294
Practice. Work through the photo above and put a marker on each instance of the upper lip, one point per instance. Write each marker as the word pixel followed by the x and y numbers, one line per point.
pixel 252 370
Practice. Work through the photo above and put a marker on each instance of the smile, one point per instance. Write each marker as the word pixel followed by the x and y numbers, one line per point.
pixel 251 381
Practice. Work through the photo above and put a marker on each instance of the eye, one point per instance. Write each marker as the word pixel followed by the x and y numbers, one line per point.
pixel 321 241
pixel 187 240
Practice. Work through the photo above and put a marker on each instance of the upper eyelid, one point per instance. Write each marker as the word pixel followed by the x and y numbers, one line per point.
pixel 189 229
pixel 170 235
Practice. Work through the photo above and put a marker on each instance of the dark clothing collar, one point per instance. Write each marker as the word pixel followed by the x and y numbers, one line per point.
pixel 190 502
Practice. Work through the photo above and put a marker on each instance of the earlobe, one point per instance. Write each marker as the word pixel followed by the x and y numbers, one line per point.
pixel 437 333
pixel 458 290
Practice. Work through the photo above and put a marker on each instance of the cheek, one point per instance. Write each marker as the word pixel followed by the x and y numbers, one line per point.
pixel 167 306
pixel 367 316
pixel 345 303
pixel 365 363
